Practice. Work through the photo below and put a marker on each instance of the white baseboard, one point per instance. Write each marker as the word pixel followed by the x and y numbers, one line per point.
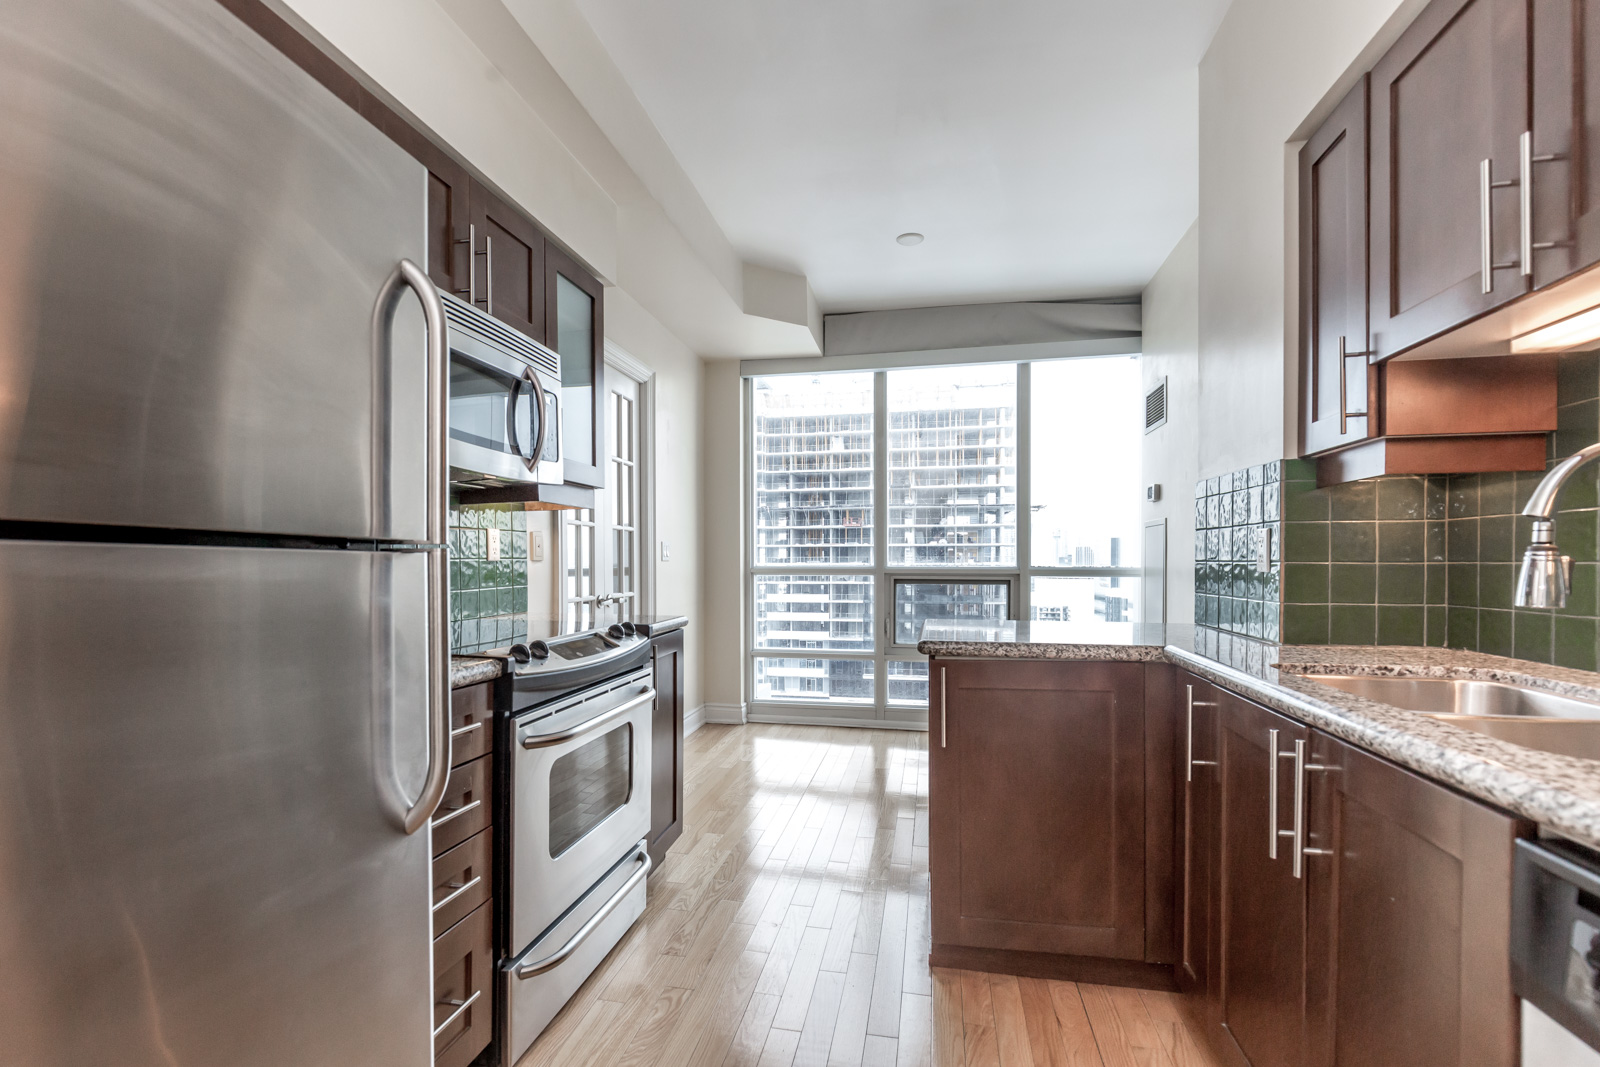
pixel 694 720
pixel 732 714
pixel 801 719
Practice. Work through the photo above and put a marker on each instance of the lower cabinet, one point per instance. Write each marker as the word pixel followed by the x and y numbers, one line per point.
pixel 1334 909
pixel 666 746
pixel 463 883
pixel 1038 808
pixel 1408 889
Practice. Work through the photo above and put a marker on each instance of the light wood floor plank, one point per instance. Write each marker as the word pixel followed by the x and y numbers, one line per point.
pixel 1010 1024
pixel 1122 1027
pixel 789 926
pixel 977 1020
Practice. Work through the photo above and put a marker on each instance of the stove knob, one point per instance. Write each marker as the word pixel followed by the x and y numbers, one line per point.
pixel 629 628
pixel 615 630
pixel 521 653
pixel 539 650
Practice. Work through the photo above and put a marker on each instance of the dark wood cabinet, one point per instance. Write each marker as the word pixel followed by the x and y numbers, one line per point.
pixel 1038 819
pixel 463 1008
pixel 1563 150
pixel 1409 902
pixel 1449 101
pixel 1334 373
pixel 576 330
pixel 1261 904
pixel 666 746
pixel 508 262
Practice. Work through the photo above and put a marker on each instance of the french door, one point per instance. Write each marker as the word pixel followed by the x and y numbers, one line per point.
pixel 600 546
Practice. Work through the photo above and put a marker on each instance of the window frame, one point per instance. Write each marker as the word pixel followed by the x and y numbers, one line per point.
pixel 886 649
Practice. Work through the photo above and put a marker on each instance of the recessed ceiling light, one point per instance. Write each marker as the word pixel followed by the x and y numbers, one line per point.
pixel 910 238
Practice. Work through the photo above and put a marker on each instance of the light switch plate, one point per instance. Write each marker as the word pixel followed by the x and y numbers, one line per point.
pixel 536 546
pixel 1264 550
pixel 494 544
pixel 666 552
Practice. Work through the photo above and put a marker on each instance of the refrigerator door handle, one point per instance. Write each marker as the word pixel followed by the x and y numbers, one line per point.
pixel 407 274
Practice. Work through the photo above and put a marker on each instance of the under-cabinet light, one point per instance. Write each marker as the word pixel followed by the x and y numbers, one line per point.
pixel 1562 334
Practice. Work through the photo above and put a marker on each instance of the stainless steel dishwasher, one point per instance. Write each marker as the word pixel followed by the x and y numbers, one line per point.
pixel 1555 953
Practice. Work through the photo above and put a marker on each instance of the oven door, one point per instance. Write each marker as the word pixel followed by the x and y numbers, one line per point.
pixel 580 795
pixel 505 420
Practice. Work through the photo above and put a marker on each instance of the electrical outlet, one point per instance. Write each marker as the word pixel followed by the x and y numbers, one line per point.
pixel 666 552
pixel 494 545
pixel 536 546
pixel 1264 550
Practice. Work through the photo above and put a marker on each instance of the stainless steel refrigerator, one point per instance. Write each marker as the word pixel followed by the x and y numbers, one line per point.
pixel 222 677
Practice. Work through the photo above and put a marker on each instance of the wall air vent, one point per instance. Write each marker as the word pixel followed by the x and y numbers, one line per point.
pixel 1155 406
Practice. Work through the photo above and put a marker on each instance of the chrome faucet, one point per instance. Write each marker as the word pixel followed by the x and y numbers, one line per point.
pixel 1546 573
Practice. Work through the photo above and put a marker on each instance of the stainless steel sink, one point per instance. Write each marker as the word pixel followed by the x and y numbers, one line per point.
pixel 1527 717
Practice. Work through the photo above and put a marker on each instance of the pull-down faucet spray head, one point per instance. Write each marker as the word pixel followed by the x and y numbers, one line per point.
pixel 1546 573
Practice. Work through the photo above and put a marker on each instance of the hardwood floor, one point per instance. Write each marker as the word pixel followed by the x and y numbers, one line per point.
pixel 789 926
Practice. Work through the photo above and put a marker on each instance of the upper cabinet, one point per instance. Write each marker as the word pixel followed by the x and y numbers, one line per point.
pixel 1333 278
pixel 576 330
pixel 1563 157
pixel 507 270
pixel 1449 106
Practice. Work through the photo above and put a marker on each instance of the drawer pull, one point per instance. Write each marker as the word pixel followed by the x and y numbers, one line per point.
pixel 462 731
pixel 451 813
pixel 461 1006
pixel 557 958
pixel 459 888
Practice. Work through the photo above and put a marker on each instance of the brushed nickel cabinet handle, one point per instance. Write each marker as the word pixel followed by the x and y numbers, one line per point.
pixel 458 888
pixel 1526 160
pixel 455 813
pixel 1486 185
pixel 1345 414
pixel 944 699
pixel 1272 794
pixel 463 731
pixel 461 1006
pixel 1190 763
pixel 1298 835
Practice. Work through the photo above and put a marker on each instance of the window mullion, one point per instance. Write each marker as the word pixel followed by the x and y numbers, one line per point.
pixel 880 540
pixel 1022 603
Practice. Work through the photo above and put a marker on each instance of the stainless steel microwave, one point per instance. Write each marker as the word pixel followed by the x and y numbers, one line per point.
pixel 505 403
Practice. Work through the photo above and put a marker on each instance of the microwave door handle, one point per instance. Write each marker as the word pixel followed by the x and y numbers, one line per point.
pixel 536 418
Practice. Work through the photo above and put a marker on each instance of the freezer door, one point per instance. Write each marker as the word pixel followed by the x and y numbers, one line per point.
pixel 198 858
pixel 192 236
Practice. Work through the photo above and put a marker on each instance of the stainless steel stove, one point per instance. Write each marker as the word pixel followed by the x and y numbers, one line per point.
pixel 576 762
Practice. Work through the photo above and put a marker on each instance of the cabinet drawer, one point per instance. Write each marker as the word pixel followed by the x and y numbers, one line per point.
pixel 461 880
pixel 470 712
pixel 465 807
pixel 463 1001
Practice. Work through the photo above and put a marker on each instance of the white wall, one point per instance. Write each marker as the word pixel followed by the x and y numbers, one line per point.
pixel 678 496
pixel 1274 68
pixel 1171 453
pixel 722 543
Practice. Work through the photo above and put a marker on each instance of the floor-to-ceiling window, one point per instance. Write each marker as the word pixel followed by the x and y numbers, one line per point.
pixel 882 500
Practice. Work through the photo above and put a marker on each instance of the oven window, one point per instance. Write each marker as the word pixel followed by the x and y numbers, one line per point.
pixel 588 784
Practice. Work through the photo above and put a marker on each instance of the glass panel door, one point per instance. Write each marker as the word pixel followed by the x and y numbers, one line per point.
pixel 601 547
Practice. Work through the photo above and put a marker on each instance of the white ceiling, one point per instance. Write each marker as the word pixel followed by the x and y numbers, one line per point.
pixel 1047 148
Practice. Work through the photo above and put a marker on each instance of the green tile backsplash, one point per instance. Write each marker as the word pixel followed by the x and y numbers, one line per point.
pixel 1414 560
pixel 488 598
pixel 1232 512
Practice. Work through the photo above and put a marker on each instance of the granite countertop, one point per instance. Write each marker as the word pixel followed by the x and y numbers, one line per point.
pixel 470 670
pixel 1561 793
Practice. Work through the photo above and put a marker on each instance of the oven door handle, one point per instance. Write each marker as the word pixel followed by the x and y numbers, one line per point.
pixel 534 968
pixel 548 740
